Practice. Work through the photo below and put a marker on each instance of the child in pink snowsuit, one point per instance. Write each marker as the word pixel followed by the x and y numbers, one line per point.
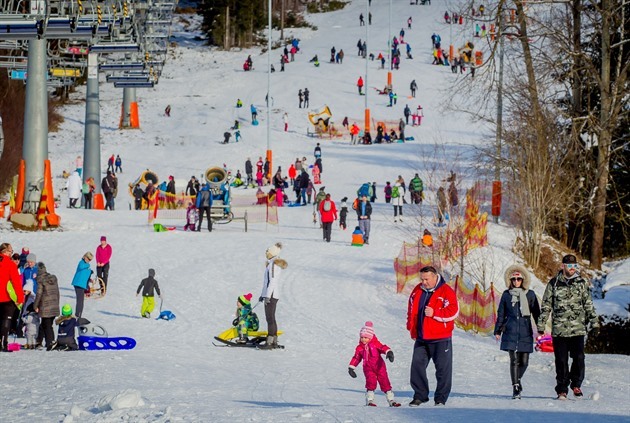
pixel 369 350
pixel 192 217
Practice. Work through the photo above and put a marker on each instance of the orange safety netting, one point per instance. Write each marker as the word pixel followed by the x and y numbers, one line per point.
pixel 457 240
pixel 477 308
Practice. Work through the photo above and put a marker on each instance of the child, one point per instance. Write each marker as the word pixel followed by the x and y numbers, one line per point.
pixel 388 192
pixel 259 178
pixel 148 285
pixel 245 319
pixel 343 213
pixel 29 317
pixel 369 350
pixel 192 216
pixel 357 237
pixel 65 334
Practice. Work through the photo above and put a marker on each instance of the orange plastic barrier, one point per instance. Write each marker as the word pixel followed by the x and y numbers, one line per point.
pixel 478 58
pixel 19 192
pixel 367 120
pixel 135 116
pixel 51 217
pixel 99 202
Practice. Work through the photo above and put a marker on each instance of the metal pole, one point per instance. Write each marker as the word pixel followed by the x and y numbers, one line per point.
pixel 35 143
pixel 497 164
pixel 129 96
pixel 389 38
pixel 92 136
pixel 269 154
pixel 367 43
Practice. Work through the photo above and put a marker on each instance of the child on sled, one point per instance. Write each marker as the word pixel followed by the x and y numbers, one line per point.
pixel 245 319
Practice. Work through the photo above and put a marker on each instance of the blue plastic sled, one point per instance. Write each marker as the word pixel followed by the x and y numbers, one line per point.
pixel 166 315
pixel 255 123
pixel 95 343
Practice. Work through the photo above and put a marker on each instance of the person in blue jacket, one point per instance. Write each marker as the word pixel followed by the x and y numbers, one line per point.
pixel 81 280
pixel 204 204
pixel 517 307
pixel 252 109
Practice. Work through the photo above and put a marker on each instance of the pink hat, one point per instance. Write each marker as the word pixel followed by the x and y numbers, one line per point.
pixel 367 331
pixel 103 238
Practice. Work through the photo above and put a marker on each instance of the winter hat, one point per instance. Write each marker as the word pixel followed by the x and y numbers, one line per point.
pixel 245 299
pixel 517 271
pixel 28 286
pixel 274 250
pixel 31 257
pixel 367 331
pixel 103 238
pixel 66 310
pixel 88 256
pixel 344 199
pixel 569 259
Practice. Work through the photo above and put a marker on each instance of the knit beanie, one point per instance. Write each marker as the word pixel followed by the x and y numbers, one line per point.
pixel 367 331
pixel 31 257
pixel 245 299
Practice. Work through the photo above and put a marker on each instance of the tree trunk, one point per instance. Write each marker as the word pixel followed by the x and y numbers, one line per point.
pixel 226 38
pixel 604 143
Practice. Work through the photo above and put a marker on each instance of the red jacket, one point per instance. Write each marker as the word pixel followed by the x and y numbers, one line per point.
pixel 330 215
pixel 9 275
pixel 445 310
pixel 360 82
pixel 370 354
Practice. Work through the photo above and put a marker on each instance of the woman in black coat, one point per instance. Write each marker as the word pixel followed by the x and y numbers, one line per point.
pixel 514 325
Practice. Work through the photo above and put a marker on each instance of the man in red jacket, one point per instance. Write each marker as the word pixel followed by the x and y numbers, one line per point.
pixel 431 314
pixel 11 293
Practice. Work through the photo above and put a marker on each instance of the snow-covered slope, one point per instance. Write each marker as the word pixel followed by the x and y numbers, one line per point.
pixel 328 290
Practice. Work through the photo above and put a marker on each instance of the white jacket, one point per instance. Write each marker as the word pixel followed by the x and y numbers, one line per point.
pixel 271 277
pixel 74 185
pixel 398 201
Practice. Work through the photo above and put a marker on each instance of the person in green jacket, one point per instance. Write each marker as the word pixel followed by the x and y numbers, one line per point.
pixel 568 299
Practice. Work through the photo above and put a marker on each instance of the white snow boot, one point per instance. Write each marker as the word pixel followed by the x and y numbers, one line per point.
pixel 390 399
pixel 369 399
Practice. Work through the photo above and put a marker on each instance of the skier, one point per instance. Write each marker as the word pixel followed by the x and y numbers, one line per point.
pixel 369 351
pixel 148 286
pixel 360 85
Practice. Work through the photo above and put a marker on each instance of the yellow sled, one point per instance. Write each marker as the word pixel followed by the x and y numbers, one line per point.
pixel 232 333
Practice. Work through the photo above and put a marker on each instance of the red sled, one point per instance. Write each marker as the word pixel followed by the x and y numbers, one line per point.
pixel 544 343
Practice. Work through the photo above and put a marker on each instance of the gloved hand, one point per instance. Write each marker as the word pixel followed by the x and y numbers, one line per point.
pixel 390 356
pixel 352 373
pixel 261 299
pixel 267 300
pixel 235 322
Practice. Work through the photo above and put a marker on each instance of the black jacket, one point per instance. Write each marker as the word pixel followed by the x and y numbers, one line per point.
pixel 148 285
pixel 368 209
pixel 248 167
pixel 515 330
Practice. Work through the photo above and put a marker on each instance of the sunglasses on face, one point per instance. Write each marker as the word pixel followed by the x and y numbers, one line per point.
pixel 571 265
pixel 516 279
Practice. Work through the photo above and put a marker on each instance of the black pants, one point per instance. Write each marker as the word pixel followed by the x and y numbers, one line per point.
pixel 205 210
pixel 87 199
pixel 442 355
pixel 327 227
pixel 342 222
pixel 103 273
pixel 270 316
pixel 46 331
pixel 78 309
pixel 7 309
pixel 518 364
pixel 73 202
pixel 109 201
pixel 397 211
pixel 563 348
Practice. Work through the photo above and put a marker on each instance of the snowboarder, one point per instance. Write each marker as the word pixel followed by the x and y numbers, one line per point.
pixel 149 287
pixel 369 351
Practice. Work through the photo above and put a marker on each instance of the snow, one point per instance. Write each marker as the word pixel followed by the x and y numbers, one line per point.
pixel 175 374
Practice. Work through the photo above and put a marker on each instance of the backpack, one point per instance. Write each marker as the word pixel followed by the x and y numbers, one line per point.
pixel 395 193
pixel 327 206
pixel 355 204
